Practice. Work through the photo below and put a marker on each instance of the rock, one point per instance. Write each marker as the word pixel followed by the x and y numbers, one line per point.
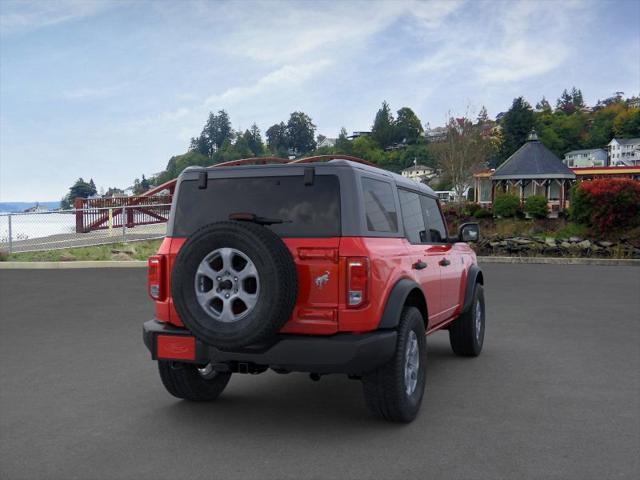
pixel 605 244
pixel 575 239
pixel 566 245
pixel 67 257
pixel 494 244
pixel 522 241
pixel 550 241
pixel 584 244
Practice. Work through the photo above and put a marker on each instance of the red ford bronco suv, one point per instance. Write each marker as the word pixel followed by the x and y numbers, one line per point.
pixel 335 267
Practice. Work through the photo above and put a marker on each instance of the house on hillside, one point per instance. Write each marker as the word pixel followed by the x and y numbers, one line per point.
pixel 327 142
pixel 532 170
pixel 419 173
pixel 593 157
pixel 624 152
pixel 355 135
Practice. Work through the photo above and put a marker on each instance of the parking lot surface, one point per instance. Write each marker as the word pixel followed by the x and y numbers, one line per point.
pixel 555 394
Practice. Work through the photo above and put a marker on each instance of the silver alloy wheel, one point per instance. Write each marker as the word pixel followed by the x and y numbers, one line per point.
pixel 227 285
pixel 411 363
pixel 478 320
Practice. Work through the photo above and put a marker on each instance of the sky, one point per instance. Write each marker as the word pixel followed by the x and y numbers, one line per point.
pixel 110 90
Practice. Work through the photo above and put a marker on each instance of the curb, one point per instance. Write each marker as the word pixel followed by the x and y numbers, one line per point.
pixel 143 263
pixel 616 262
pixel 72 264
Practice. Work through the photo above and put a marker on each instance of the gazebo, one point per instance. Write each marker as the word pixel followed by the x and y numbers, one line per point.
pixel 532 170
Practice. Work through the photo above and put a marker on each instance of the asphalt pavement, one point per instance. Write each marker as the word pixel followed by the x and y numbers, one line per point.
pixel 555 394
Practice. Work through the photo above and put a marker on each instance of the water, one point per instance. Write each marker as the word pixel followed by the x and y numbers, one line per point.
pixel 29 226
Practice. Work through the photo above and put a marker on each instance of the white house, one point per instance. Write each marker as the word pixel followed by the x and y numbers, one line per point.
pixel 624 152
pixel 594 157
pixel 327 142
pixel 419 173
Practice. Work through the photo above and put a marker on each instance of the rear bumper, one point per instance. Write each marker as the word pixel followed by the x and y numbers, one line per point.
pixel 340 353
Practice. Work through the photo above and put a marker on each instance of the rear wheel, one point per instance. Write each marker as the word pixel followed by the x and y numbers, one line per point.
pixel 466 334
pixel 190 382
pixel 394 391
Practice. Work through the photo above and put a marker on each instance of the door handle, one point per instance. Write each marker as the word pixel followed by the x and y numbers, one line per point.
pixel 444 262
pixel 419 265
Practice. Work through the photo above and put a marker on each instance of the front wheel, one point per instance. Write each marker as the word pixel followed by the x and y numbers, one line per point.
pixel 466 334
pixel 190 382
pixel 394 391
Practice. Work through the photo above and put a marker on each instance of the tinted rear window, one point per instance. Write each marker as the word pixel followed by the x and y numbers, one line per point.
pixel 310 210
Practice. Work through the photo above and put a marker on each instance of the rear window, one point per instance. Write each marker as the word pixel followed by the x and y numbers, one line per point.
pixel 308 210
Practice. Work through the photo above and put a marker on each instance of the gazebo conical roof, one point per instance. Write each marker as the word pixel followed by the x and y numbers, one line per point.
pixel 532 160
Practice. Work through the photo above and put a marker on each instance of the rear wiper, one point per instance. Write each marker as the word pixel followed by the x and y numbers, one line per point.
pixel 252 217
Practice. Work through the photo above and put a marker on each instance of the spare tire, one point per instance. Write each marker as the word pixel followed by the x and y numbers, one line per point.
pixel 234 284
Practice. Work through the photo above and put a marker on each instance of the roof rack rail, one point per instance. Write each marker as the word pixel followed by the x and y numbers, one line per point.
pixel 171 184
pixel 251 161
pixel 327 158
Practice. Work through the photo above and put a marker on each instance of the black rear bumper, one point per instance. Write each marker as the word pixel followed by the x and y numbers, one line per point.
pixel 340 353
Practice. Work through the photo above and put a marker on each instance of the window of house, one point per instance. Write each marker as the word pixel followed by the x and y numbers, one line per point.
pixel 380 206
pixel 554 191
pixel 412 218
pixel 433 217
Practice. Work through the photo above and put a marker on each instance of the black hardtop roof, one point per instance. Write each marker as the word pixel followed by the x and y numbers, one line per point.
pixel 398 179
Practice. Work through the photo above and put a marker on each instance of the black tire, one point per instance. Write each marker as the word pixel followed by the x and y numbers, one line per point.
pixel 278 284
pixel 183 380
pixel 464 336
pixel 385 389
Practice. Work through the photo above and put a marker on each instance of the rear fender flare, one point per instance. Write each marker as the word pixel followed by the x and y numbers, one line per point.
pixel 397 299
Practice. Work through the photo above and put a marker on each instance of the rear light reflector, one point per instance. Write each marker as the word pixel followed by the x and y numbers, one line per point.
pixel 156 277
pixel 175 347
pixel 357 281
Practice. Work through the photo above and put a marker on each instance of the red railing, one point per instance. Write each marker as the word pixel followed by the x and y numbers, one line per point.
pixel 151 207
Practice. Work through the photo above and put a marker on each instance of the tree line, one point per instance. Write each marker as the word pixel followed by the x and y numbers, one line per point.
pixel 397 140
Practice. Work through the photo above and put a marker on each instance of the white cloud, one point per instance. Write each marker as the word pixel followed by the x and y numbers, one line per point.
pixel 285 77
pixel 21 16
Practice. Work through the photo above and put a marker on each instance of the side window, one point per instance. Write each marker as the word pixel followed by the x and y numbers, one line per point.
pixel 412 217
pixel 433 217
pixel 380 206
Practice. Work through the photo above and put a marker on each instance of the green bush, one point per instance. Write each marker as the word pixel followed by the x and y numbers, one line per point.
pixel 483 213
pixel 536 206
pixel 470 208
pixel 506 205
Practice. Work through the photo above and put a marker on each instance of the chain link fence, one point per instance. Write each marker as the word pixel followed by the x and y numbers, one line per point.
pixel 54 230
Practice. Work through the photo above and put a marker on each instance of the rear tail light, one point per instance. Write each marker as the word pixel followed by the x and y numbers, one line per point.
pixel 155 277
pixel 357 281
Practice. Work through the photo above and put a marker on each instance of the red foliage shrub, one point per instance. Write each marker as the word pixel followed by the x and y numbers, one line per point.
pixel 607 204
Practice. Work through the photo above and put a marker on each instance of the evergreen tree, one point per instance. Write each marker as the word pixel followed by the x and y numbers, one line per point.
pixel 576 99
pixel 408 126
pixel 343 144
pixel 483 116
pixel 301 133
pixel 382 130
pixel 565 103
pixel 253 138
pixel 517 123
pixel 216 131
pixel 543 106
pixel 277 139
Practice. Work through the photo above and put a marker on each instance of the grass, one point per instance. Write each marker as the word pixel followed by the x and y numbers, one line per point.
pixel 138 251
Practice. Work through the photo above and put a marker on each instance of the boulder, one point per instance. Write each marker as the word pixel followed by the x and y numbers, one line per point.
pixel 584 244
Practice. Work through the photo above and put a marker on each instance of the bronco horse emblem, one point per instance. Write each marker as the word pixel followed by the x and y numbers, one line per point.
pixel 322 279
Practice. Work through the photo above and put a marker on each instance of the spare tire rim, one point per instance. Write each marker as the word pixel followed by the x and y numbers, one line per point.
pixel 227 285
pixel 411 363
